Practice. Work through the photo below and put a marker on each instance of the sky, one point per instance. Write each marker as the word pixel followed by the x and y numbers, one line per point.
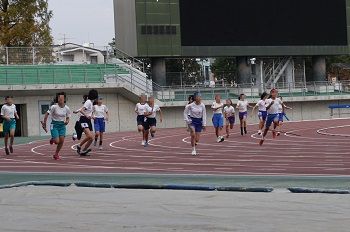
pixel 82 21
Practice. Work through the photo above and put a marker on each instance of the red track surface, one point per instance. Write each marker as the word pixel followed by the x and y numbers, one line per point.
pixel 300 151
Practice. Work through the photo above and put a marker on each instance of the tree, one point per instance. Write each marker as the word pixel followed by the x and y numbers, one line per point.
pixel 341 73
pixel 183 71
pixel 25 23
pixel 225 68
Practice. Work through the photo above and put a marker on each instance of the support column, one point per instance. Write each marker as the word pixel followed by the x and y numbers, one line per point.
pixel 158 71
pixel 290 74
pixel 319 68
pixel 244 70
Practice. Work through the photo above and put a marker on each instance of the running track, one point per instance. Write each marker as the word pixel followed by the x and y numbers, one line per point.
pixel 307 148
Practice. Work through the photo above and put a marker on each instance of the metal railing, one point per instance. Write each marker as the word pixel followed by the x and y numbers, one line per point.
pixel 295 89
pixel 51 55
pixel 72 74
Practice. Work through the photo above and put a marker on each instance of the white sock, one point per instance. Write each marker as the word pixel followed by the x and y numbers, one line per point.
pixel 193 148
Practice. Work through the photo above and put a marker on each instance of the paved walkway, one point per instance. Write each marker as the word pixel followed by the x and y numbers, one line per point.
pixel 86 209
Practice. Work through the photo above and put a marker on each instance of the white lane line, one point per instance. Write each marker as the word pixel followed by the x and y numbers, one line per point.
pixel 321 131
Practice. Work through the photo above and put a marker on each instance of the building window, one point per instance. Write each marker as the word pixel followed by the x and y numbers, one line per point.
pixel 149 30
pixel 161 30
pixel 155 30
pixel 158 30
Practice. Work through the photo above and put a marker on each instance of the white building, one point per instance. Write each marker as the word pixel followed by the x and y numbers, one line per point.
pixel 70 53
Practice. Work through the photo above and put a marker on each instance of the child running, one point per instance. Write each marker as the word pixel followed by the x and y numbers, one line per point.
pixel 218 118
pixel 140 110
pixel 9 114
pixel 60 115
pixel 242 106
pixel 281 115
pixel 151 120
pixel 86 125
pixel 272 105
pixel 197 120
pixel 78 129
pixel 100 116
pixel 229 113
pixel 190 100
pixel 262 111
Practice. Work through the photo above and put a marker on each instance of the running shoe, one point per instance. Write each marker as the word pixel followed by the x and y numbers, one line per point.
pixel 152 135
pixel 278 133
pixel 218 140
pixel 146 144
pixel 7 151
pixel 100 148
pixel 52 141
pixel 11 149
pixel 143 143
pixel 85 153
pixel 56 157
pixel 78 149
pixel 259 132
pixel 222 139
pixel 194 153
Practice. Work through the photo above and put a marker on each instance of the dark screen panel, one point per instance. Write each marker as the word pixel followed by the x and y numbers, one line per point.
pixel 263 22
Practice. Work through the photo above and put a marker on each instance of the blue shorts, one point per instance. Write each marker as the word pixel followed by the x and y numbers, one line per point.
pixel 280 117
pixel 262 115
pixel 218 120
pixel 9 125
pixel 243 115
pixel 230 120
pixel 270 119
pixel 197 123
pixel 100 125
pixel 58 129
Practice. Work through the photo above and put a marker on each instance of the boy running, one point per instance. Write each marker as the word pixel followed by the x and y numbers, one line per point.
pixel 151 120
pixel 140 110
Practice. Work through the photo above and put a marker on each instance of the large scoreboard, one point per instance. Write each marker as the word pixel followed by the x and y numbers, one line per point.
pixel 211 28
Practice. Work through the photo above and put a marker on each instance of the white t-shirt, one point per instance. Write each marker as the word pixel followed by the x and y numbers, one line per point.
pixel 88 108
pixel 195 111
pixel 229 111
pixel 217 105
pixel 59 114
pixel 140 109
pixel 8 111
pixel 261 105
pixel 100 111
pixel 242 106
pixel 280 107
pixel 274 108
pixel 154 111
